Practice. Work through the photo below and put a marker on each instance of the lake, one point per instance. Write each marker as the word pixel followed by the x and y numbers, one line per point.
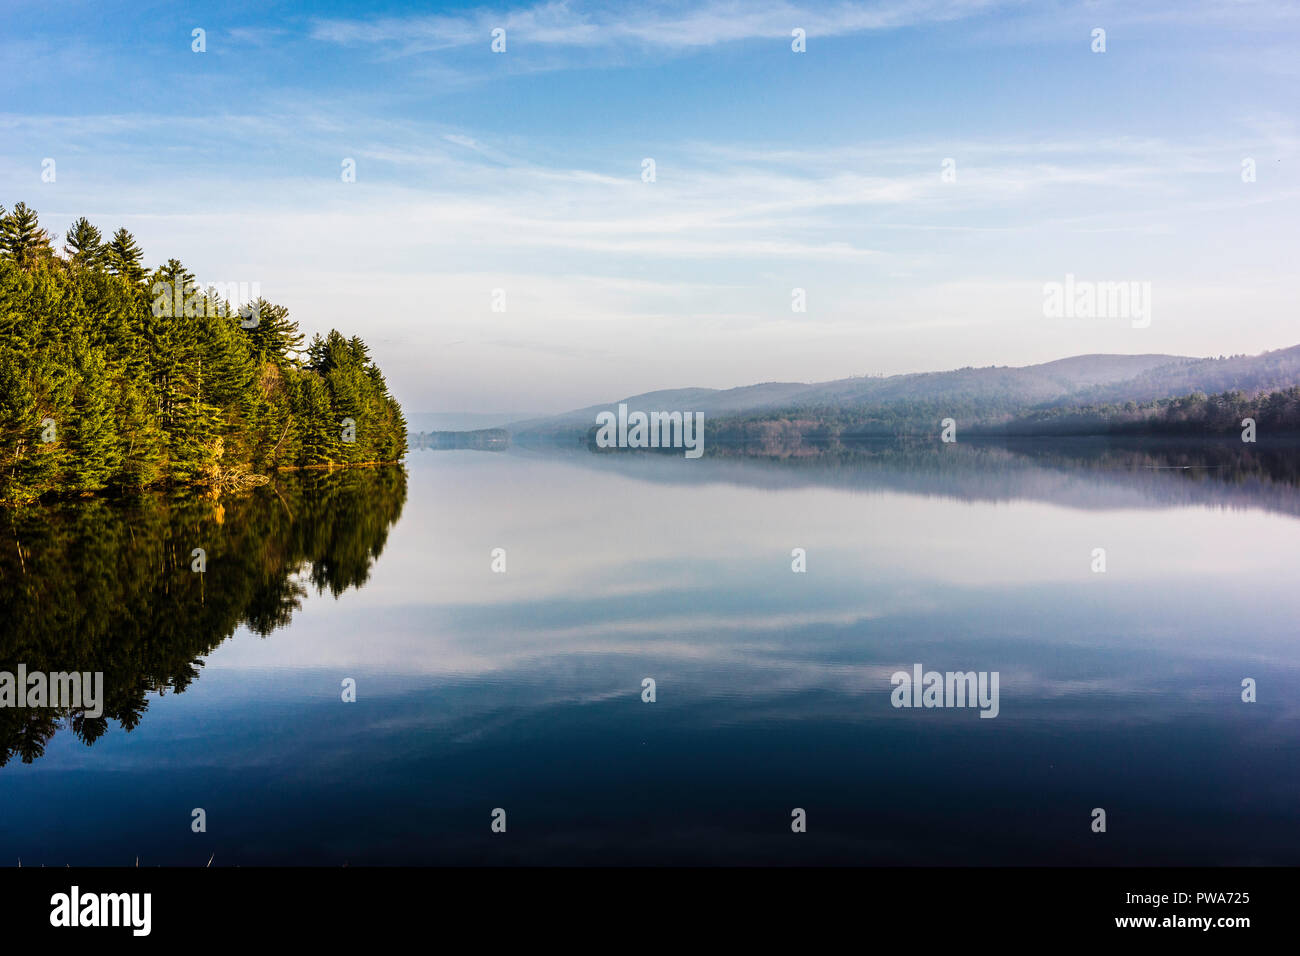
pixel 521 689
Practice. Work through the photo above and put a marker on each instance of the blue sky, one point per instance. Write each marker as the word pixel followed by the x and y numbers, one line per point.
pixel 775 170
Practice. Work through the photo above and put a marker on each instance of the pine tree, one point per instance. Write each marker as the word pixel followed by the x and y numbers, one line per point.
pixel 100 389
pixel 22 239
pixel 174 291
pixel 92 431
pixel 143 444
pixel 320 432
pixel 275 337
pixel 123 257
pixel 84 244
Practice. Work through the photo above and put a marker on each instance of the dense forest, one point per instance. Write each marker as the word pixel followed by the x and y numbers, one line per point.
pixel 1094 394
pixel 116 378
pixel 1275 413
pixel 1196 414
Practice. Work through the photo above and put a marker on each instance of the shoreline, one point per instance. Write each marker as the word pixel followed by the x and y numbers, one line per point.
pixel 207 491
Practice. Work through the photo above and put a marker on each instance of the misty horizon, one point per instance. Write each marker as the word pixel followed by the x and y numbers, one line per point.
pixel 488 417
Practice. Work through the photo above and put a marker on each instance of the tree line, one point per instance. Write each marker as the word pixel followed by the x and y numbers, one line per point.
pixel 1198 414
pixel 116 378
pixel 1275 412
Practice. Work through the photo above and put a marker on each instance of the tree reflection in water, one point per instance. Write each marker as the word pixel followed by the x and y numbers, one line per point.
pixel 101 585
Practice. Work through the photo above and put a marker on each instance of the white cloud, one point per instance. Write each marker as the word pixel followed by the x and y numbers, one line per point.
pixel 659 26
pixel 617 286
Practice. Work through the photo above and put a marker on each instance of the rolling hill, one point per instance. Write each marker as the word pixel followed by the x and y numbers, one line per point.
pixel 987 396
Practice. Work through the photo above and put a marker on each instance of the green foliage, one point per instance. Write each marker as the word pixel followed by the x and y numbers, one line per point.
pixel 123 257
pixel 1275 412
pixel 116 379
pixel 84 244
pixel 22 240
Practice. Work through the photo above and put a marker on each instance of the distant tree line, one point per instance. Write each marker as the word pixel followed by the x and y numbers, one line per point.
pixel 114 377
pixel 1275 412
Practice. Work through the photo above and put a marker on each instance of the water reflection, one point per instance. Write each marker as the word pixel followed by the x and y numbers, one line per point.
pixel 1084 472
pixel 108 586
pixel 522 690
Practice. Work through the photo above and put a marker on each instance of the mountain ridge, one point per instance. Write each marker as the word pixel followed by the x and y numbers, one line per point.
pixel 995 390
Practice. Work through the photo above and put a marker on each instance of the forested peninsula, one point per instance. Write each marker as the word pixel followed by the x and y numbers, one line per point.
pixel 115 378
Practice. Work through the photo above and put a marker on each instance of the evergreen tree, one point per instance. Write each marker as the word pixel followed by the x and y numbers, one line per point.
pixel 84 244
pixel 173 285
pixel 106 386
pixel 274 337
pixel 94 457
pixel 22 239
pixel 123 257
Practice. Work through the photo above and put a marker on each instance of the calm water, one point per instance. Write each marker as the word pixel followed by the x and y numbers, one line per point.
pixel 522 690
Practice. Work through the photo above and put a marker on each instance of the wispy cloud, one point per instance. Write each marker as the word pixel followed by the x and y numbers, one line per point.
pixel 660 26
pixel 774 171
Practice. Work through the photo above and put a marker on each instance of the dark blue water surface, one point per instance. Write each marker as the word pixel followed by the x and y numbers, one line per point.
pixel 522 690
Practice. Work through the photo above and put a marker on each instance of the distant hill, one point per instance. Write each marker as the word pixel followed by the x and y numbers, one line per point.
pixel 990 396
pixel 1251 374
pixel 1030 384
